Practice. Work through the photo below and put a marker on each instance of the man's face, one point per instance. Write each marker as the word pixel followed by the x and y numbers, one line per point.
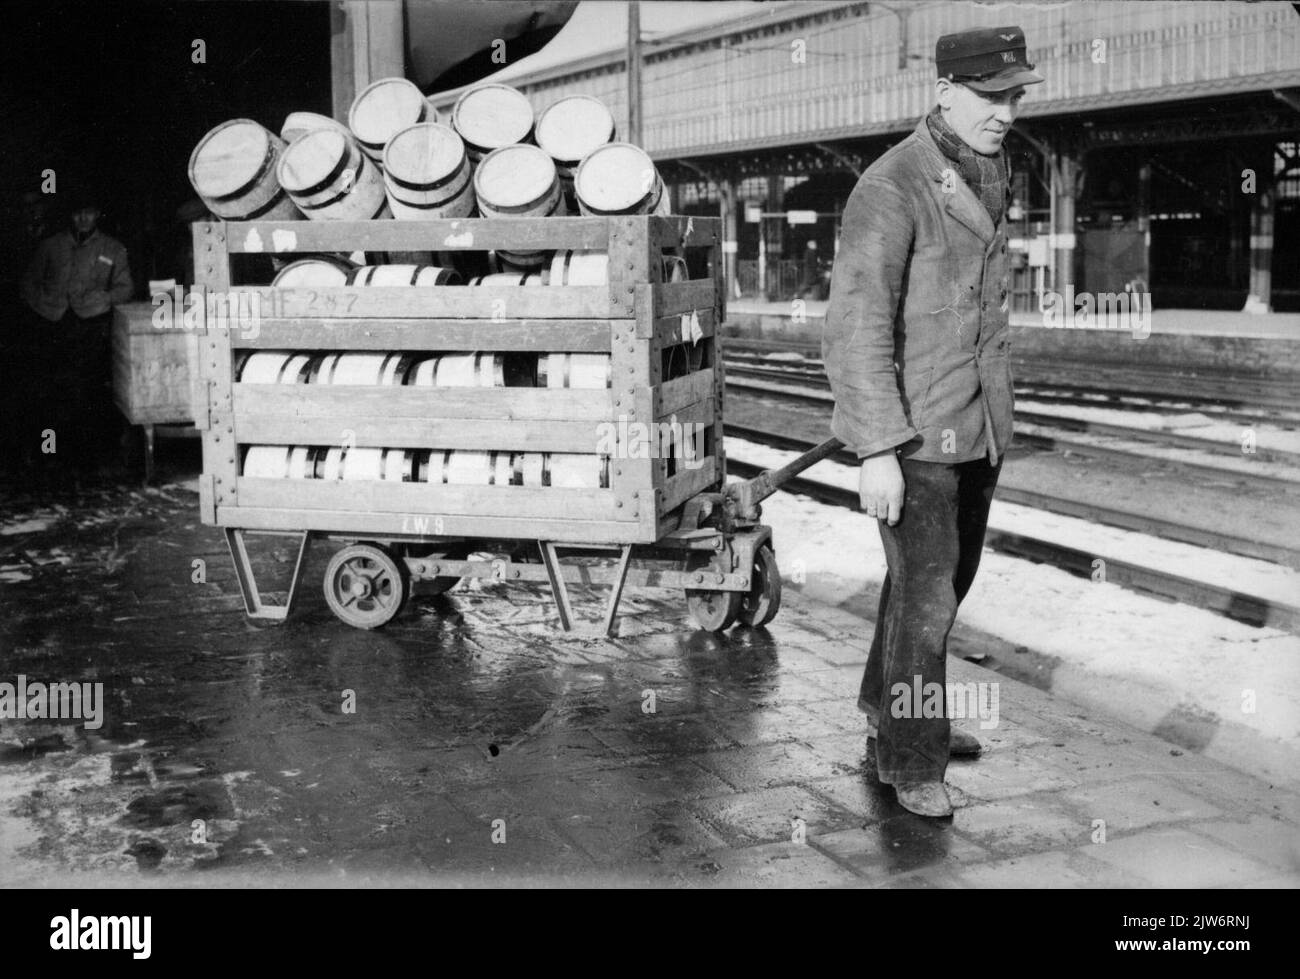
pixel 981 119
pixel 84 219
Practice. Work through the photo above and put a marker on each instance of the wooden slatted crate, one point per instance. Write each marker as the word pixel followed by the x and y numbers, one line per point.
pixel 634 318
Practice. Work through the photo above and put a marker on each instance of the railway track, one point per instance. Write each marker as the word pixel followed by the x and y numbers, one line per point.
pixel 815 389
pixel 1063 390
pixel 1216 597
pixel 1227 394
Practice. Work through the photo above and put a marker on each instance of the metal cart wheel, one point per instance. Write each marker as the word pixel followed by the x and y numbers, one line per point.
pixel 713 611
pixel 365 586
pixel 763 601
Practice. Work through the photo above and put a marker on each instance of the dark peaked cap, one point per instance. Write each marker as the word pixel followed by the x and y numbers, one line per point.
pixel 987 59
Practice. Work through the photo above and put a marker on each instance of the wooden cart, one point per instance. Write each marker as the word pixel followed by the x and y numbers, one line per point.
pixel 670 522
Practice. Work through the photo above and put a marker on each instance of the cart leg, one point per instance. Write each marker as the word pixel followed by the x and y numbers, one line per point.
pixel 148 454
pixel 558 588
pixel 561 591
pixel 248 584
pixel 611 608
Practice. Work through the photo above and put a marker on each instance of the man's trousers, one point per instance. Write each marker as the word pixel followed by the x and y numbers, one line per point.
pixel 932 555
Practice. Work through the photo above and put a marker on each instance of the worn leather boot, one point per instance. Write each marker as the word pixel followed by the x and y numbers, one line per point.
pixel 924 798
pixel 961 744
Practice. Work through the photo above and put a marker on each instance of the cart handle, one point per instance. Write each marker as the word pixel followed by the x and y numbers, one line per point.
pixel 749 493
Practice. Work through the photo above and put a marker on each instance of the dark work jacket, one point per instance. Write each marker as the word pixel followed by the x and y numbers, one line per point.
pixel 915 340
pixel 90 277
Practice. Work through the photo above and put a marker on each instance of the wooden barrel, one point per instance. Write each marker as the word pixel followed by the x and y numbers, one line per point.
pixel 282 461
pixel 233 168
pixel 579 268
pixel 569 129
pixel 571 469
pixel 427 174
pixel 403 275
pixel 275 367
pixel 508 279
pixel 474 370
pixel 388 465
pixel 307 273
pixel 330 179
pixel 620 178
pixel 491 116
pixel 299 123
pixel 569 370
pixel 383 109
pixel 514 182
pixel 464 467
pixel 363 368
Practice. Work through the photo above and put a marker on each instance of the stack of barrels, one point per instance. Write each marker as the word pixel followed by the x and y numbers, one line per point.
pixel 395 158
pixel 446 370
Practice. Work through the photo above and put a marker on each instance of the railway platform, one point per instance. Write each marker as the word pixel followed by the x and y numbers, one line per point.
pixel 755 314
pixel 470 741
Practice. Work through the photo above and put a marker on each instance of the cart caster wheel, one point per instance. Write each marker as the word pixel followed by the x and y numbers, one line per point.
pixel 365 586
pixel 713 611
pixel 763 601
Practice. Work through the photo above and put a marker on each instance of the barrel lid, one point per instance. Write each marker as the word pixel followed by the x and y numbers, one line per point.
pixel 514 176
pixel 383 108
pixel 614 177
pixel 424 153
pixel 311 272
pixel 297 123
pixel 312 158
pixel 572 127
pixel 493 115
pixel 229 158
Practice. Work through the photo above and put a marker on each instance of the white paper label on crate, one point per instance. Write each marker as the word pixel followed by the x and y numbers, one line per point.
pixel 691 326
pixel 253 242
pixel 284 241
pixel 690 226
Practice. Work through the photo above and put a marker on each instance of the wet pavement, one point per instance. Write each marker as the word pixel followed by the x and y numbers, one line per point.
pixel 471 741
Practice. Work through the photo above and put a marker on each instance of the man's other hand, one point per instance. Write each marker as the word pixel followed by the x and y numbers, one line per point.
pixel 880 486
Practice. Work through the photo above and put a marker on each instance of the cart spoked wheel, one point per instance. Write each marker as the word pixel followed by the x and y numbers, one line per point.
pixel 365 586
pixel 759 606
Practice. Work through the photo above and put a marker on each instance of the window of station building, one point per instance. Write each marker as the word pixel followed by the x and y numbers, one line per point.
pixel 753 189
pixel 1286 170
pixel 697 192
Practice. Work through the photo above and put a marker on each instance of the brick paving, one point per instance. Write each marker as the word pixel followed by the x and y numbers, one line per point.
pixel 488 747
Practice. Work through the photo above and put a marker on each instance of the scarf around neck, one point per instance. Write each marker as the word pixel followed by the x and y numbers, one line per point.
pixel 987 176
